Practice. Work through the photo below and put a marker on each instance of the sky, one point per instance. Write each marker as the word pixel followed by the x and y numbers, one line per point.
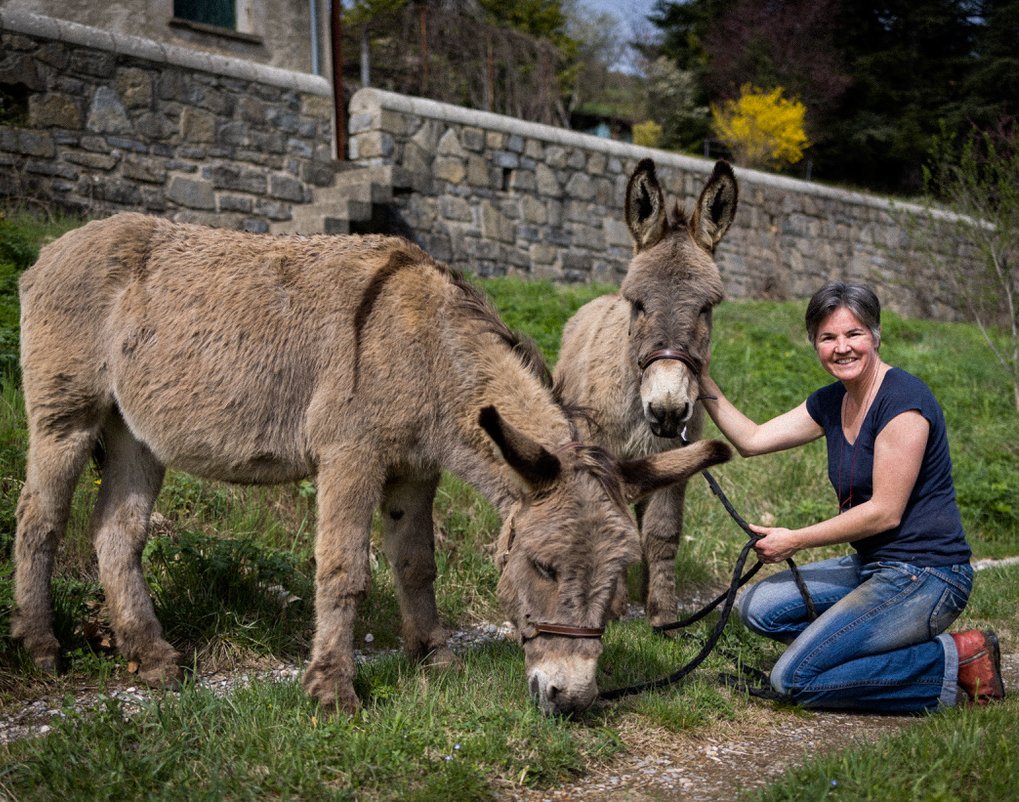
pixel 632 16
pixel 624 9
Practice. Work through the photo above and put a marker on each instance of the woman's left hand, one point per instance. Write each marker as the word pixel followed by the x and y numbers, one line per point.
pixel 776 544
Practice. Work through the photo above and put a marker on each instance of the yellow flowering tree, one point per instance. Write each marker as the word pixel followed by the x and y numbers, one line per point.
pixel 761 128
pixel 648 134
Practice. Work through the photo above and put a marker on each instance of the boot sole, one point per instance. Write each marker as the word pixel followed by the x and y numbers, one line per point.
pixel 998 691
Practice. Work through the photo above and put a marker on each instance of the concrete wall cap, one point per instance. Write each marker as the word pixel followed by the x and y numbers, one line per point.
pixel 368 99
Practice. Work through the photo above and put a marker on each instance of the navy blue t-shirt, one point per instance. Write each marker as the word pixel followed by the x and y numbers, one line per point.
pixel 930 532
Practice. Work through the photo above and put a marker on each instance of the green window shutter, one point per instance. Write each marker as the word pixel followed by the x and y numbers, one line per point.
pixel 221 13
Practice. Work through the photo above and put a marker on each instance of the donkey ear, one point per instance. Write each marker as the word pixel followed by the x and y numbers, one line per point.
pixel 645 475
pixel 532 462
pixel 716 207
pixel 645 206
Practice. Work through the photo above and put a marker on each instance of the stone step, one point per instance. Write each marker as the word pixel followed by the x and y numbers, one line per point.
pixel 339 206
pixel 335 225
pixel 305 220
pixel 337 209
pixel 387 175
pixel 309 224
pixel 363 193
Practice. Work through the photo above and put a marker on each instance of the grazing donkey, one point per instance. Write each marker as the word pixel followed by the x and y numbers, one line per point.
pixel 633 358
pixel 360 361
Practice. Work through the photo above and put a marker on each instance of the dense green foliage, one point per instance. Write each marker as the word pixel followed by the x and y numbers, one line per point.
pixel 878 79
pixel 977 178
pixel 231 573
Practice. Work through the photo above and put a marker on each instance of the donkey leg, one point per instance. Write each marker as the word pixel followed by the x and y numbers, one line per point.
pixel 349 487
pixel 55 461
pixel 408 541
pixel 131 479
pixel 661 527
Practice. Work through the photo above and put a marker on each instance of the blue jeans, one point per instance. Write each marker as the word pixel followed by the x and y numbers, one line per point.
pixel 879 640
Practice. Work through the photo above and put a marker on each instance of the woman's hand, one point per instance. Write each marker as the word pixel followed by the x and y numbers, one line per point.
pixel 776 544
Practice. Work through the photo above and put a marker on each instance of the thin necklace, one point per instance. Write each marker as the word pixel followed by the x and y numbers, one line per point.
pixel 846 501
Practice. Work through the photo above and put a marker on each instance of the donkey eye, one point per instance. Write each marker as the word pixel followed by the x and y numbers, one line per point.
pixel 544 570
pixel 637 308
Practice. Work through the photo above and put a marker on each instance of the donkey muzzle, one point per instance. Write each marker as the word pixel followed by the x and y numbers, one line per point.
pixel 666 390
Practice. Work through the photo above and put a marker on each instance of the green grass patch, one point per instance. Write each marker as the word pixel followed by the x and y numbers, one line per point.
pixel 429 738
pixel 231 570
pixel 540 309
pixel 960 754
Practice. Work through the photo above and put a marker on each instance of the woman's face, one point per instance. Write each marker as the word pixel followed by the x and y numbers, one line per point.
pixel 845 346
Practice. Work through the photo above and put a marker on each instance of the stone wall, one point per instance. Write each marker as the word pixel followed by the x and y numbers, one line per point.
pixel 111 122
pixel 496 195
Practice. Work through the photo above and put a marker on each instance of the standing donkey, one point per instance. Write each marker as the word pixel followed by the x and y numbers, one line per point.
pixel 633 358
pixel 359 361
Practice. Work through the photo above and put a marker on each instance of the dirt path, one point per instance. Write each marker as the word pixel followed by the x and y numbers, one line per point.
pixel 711 766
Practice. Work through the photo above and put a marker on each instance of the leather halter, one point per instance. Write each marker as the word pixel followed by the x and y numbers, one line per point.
pixel 564 631
pixel 678 354
pixel 545 627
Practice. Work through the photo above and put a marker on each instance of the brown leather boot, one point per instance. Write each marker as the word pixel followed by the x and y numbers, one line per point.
pixel 979 665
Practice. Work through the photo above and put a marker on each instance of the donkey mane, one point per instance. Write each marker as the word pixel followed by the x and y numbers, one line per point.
pixel 679 217
pixel 602 466
pixel 480 307
pixel 473 302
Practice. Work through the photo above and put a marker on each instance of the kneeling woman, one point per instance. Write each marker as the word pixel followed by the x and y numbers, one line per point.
pixel 879 642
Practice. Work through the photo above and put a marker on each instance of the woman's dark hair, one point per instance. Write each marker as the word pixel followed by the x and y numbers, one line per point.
pixel 857 298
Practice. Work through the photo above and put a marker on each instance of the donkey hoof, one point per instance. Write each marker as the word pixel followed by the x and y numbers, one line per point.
pixel 42 648
pixel 334 695
pixel 442 658
pixel 336 701
pixel 166 674
pixel 660 619
pixel 48 663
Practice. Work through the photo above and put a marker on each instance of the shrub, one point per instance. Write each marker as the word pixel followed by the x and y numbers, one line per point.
pixel 762 128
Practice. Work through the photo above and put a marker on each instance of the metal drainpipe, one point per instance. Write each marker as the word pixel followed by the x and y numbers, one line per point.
pixel 339 96
pixel 316 65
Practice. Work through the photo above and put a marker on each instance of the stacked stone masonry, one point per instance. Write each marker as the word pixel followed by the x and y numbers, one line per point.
pixel 112 122
pixel 496 195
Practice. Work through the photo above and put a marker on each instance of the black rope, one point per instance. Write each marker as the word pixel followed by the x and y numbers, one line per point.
pixel 729 598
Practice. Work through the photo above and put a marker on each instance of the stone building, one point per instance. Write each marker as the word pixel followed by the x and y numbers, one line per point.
pixel 278 33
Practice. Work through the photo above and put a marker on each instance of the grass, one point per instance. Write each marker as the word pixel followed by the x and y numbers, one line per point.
pixel 963 755
pixel 231 570
pixel 414 740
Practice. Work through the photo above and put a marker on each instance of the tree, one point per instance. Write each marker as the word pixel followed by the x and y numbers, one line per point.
pixel 787 43
pixel 761 128
pixel 594 86
pixel 509 57
pixel 672 102
pixel 648 134
pixel 878 77
pixel 978 180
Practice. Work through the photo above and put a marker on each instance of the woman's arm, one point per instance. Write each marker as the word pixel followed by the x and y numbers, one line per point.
pixel 792 428
pixel 898 454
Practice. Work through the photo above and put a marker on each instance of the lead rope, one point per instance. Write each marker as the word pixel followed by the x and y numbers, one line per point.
pixel 729 597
